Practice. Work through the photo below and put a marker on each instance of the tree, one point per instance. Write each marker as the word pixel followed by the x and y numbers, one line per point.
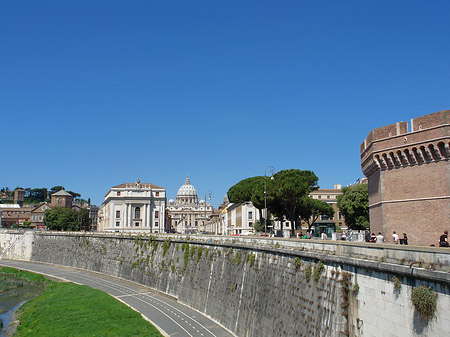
pixel 55 189
pixel 311 209
pixel 66 219
pixel 287 193
pixel 246 190
pixel 354 206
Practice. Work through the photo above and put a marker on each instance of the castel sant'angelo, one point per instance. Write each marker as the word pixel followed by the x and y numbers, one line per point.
pixel 408 170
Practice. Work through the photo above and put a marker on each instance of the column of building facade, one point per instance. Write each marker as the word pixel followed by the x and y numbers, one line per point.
pixel 149 212
pixel 111 218
pixel 129 215
pixel 144 218
pixel 125 212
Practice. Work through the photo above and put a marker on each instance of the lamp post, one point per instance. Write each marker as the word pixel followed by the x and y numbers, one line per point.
pixel 271 171
pixel 207 193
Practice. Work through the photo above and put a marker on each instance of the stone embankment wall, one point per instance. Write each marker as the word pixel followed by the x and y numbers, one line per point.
pixel 266 287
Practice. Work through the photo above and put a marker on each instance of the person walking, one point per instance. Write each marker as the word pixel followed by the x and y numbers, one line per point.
pixel 395 237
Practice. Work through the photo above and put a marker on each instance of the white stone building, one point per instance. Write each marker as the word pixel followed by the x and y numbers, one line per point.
pixel 187 214
pixel 240 219
pixel 134 207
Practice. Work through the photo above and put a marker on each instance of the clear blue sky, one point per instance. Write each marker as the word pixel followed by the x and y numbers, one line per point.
pixel 97 93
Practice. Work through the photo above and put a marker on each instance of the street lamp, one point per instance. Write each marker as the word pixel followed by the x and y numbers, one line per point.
pixel 271 171
pixel 207 193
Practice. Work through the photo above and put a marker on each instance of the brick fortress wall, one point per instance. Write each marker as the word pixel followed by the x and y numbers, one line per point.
pixel 409 178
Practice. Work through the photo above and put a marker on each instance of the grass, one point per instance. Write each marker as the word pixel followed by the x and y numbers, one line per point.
pixel 67 309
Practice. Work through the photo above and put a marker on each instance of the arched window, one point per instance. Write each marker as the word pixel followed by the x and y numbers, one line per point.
pixel 137 213
pixel 59 201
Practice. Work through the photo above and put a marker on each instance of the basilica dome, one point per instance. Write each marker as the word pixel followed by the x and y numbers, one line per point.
pixel 187 190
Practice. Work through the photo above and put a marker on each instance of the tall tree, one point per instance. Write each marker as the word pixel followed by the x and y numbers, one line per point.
pixel 246 190
pixel 55 189
pixel 354 206
pixel 290 187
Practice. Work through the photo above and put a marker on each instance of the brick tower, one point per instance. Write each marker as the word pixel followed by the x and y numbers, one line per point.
pixel 409 178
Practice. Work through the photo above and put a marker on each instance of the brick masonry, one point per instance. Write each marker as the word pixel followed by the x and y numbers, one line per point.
pixel 409 178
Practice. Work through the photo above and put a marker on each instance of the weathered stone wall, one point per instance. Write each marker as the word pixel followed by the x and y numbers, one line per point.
pixel 276 289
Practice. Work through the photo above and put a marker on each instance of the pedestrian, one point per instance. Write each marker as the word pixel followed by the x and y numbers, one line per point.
pixel 373 238
pixel 395 237
pixel 405 239
pixel 367 236
pixel 443 240
pixel 323 236
pixel 343 236
pixel 380 238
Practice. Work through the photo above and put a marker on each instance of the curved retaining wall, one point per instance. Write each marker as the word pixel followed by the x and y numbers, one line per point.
pixel 255 290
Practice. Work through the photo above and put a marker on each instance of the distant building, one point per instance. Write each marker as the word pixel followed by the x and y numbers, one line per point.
pixel 13 216
pixel 408 170
pixel 187 214
pixel 330 197
pixel 61 199
pixel 37 215
pixel 241 218
pixel 134 207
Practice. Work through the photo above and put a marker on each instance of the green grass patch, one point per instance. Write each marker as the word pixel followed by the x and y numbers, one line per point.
pixel 67 309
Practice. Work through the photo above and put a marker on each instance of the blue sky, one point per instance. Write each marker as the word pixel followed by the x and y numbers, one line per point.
pixel 97 93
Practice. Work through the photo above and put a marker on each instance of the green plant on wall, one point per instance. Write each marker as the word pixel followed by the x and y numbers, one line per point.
pixel 397 284
pixel 238 258
pixel 424 300
pixel 318 270
pixel 308 272
pixel 297 263
pixel 199 253
pixel 166 246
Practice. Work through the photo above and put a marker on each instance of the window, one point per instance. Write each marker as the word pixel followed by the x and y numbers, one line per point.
pixel 157 194
pixel 118 194
pixel 59 201
pixel 328 197
pixel 250 215
pixel 156 214
pixel 339 215
pixel 176 222
pixel 40 217
pixel 117 214
pixel 117 223
pixel 319 197
pixel 196 223
pixel 250 224
pixel 136 224
pixel 34 217
pixel 156 224
pixel 137 213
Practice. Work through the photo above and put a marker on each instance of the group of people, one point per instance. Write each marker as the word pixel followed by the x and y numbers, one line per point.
pixel 380 238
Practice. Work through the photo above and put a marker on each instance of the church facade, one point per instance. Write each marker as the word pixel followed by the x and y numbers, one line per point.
pixel 186 213
pixel 134 207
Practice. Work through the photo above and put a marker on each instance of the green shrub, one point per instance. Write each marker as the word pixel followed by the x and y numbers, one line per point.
pixel 166 246
pixel 199 253
pixel 297 263
pixel 238 258
pixel 308 272
pixel 356 288
pixel 424 300
pixel 318 270
pixel 397 284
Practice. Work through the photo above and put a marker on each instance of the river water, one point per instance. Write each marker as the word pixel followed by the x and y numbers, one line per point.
pixel 13 293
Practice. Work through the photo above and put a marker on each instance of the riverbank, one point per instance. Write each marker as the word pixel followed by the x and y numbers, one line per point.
pixel 67 309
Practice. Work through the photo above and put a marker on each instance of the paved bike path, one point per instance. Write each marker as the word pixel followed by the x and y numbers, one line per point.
pixel 169 316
